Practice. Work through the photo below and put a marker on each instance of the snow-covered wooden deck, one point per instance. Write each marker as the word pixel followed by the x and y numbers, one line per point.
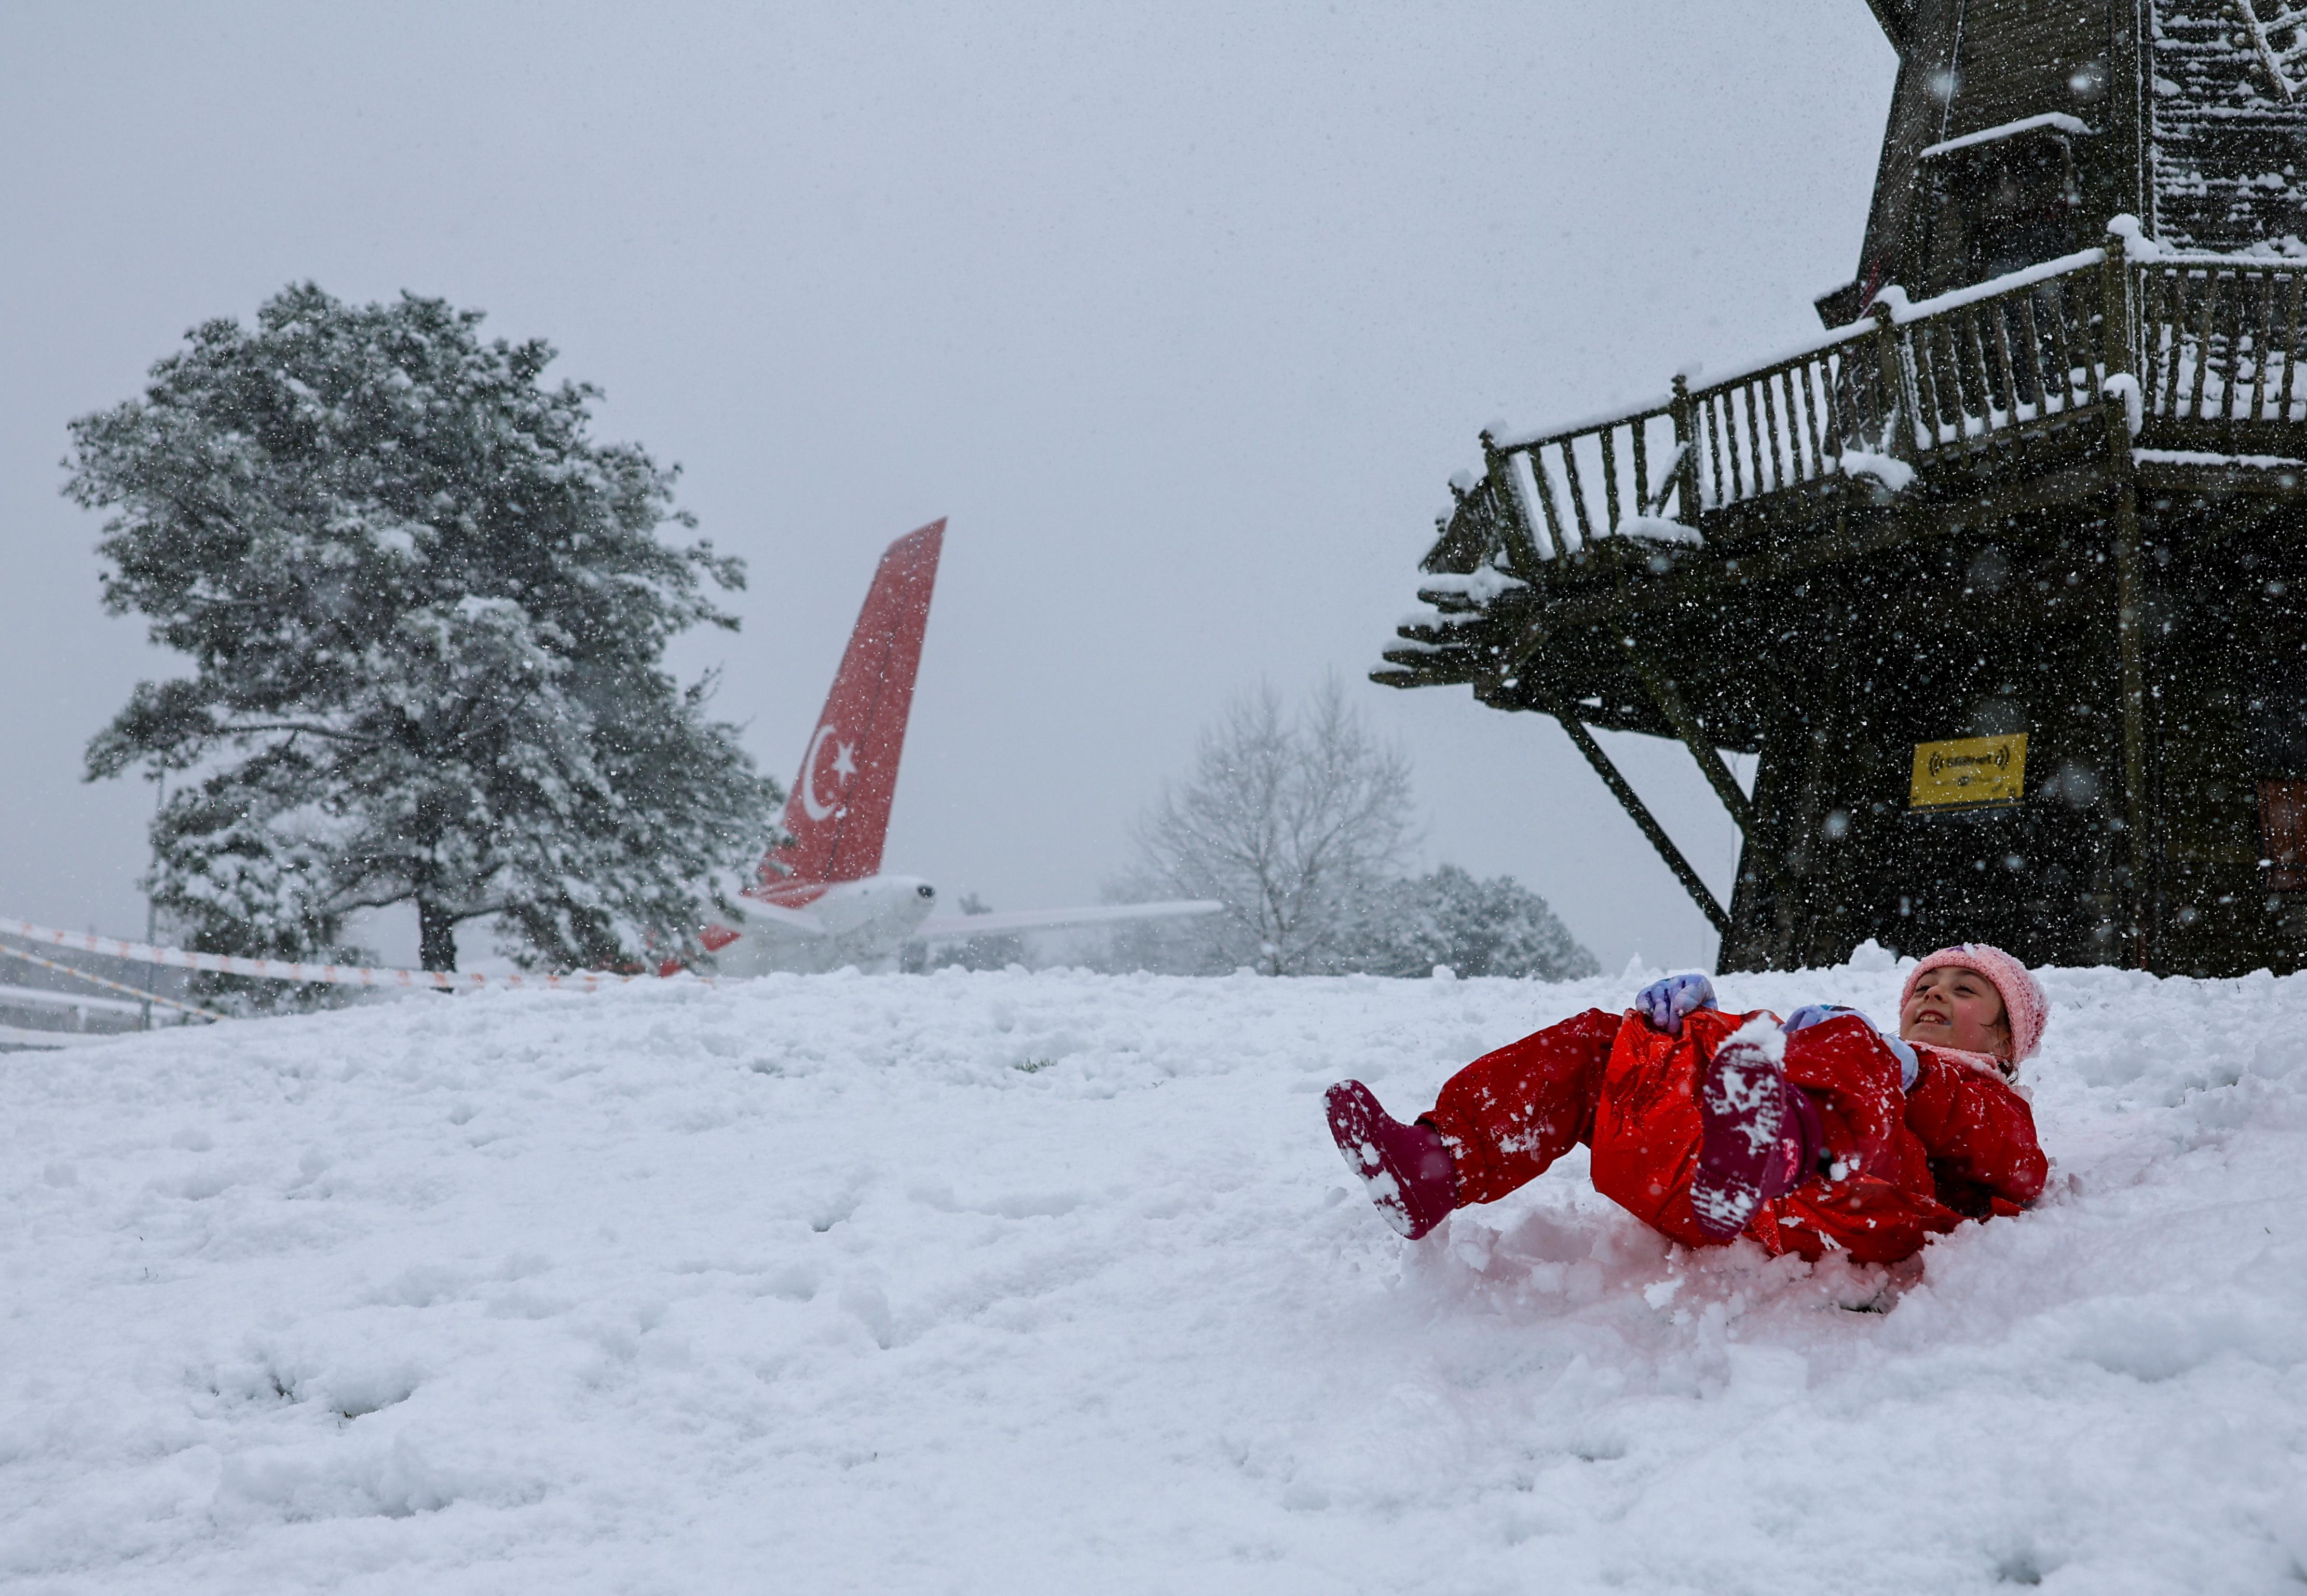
pixel 1636 571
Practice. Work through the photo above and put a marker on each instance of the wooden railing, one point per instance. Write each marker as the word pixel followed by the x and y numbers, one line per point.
pixel 1911 385
pixel 2219 340
pixel 2019 351
pixel 1569 487
pixel 1786 423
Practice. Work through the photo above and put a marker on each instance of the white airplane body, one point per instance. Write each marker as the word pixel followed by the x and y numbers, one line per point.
pixel 822 901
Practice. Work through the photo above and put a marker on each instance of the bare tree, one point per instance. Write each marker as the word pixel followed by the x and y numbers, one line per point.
pixel 1297 824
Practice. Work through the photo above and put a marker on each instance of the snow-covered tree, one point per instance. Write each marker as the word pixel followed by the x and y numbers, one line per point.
pixel 1494 927
pixel 425 615
pixel 1295 823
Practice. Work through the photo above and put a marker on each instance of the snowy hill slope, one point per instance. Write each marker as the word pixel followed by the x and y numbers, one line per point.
pixel 1012 1283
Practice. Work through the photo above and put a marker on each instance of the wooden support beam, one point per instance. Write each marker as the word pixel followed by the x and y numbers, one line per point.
pixel 1639 812
pixel 2130 645
pixel 2235 477
pixel 1669 698
pixel 2116 343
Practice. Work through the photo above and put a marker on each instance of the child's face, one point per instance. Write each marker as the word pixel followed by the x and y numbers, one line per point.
pixel 1955 1007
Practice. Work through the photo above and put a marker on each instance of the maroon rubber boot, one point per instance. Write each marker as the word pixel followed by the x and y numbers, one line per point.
pixel 1405 1168
pixel 1761 1134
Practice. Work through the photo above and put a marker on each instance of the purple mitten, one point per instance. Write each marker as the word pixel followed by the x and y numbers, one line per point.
pixel 1667 1001
pixel 1811 1014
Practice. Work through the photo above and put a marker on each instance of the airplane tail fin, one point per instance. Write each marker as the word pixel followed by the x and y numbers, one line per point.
pixel 838 811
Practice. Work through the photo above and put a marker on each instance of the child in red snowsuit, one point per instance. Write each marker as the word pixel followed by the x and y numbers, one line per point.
pixel 1813 1134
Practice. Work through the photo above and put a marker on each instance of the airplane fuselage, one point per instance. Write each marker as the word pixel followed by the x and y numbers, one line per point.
pixel 865 924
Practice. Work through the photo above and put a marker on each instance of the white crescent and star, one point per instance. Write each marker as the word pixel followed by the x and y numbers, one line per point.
pixel 845 765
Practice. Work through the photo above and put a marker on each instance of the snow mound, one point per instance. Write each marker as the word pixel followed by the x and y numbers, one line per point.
pixel 1010 1282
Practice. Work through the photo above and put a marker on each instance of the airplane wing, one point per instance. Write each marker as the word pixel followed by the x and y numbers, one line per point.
pixel 963 927
pixel 791 919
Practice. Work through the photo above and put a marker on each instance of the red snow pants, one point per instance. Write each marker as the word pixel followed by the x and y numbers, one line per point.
pixel 1906 1165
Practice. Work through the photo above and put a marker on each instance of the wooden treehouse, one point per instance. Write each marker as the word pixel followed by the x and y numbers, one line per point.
pixel 2004 576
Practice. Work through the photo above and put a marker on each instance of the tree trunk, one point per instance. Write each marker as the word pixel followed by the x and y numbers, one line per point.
pixel 436 937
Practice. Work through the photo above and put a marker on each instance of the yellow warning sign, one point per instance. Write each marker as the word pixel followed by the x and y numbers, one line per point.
pixel 1967 772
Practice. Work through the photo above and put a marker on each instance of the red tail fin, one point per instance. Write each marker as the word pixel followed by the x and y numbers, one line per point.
pixel 839 808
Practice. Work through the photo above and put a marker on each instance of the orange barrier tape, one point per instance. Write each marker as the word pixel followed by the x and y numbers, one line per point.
pixel 93 979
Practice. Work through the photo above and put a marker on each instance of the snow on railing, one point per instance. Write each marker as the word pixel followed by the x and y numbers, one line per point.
pixel 1583 481
pixel 2196 338
pixel 1909 380
pixel 2220 338
pixel 1777 426
pixel 2007 353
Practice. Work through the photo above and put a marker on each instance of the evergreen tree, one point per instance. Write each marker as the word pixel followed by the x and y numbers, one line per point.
pixel 1494 927
pixel 425 615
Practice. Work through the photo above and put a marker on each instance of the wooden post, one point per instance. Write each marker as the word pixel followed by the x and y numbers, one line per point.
pixel 1522 543
pixel 2117 334
pixel 2129 624
pixel 1686 471
pixel 1669 698
pixel 2115 345
pixel 1891 375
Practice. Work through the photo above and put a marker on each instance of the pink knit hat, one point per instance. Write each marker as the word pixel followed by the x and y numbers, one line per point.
pixel 2023 1002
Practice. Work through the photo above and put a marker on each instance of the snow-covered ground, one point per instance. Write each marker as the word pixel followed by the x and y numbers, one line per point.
pixel 1023 1283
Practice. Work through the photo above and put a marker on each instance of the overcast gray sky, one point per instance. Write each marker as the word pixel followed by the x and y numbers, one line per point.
pixel 1182 314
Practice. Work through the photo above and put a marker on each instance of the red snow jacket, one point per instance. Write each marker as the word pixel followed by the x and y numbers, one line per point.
pixel 1906 1166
